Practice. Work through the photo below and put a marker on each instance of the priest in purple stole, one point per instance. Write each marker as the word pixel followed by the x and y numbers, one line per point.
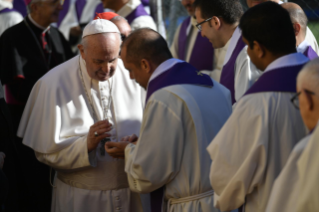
pixel 190 46
pixel 133 11
pixel 299 20
pixel 253 146
pixel 238 73
pixel 8 15
pixel 184 110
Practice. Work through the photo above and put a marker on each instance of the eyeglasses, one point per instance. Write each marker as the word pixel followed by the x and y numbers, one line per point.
pixel 123 37
pixel 295 98
pixel 199 26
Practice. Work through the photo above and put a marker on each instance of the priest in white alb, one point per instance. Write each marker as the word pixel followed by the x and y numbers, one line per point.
pixel 184 110
pixel 289 185
pixel 253 146
pixel 72 111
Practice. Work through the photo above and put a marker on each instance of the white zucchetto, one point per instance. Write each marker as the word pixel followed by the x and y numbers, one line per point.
pixel 99 26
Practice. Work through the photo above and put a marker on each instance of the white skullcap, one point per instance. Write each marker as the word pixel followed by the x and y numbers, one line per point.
pixel 99 26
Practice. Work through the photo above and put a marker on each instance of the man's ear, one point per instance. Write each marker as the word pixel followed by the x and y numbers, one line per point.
pixel 297 28
pixel 145 66
pixel 259 49
pixel 215 22
pixel 81 49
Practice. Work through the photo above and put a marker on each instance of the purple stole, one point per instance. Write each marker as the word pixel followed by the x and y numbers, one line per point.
pixel 5 10
pixel 227 77
pixel 145 2
pixel 64 11
pixel 203 52
pixel 180 73
pixel 20 6
pixel 310 53
pixel 139 11
pixel 277 80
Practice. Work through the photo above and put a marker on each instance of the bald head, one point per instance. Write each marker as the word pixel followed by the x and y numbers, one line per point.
pixel 122 25
pixel 308 78
pixel 146 44
pixel 297 16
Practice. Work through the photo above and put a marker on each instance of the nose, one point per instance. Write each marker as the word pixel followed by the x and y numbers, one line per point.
pixel 106 68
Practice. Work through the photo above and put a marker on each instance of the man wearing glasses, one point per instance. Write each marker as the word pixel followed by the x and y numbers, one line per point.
pixel 29 50
pixel 253 146
pixel 292 184
pixel 218 21
pixel 190 46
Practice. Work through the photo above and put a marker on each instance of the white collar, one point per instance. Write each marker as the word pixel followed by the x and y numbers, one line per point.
pixel 280 2
pixel 303 46
pixel 232 44
pixel 129 7
pixel 163 67
pixel 293 59
pixel 37 25
pixel 5 4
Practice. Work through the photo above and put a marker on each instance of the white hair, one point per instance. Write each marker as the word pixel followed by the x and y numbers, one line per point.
pixel 84 40
pixel 308 77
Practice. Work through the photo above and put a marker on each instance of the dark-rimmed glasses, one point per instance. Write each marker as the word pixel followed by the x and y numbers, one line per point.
pixel 295 98
pixel 199 25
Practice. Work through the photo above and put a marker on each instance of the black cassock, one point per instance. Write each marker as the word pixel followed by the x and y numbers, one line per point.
pixel 26 54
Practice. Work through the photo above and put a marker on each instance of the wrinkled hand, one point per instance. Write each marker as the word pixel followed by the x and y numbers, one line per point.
pixel 116 149
pixel 76 31
pixel 101 127
pixel 132 139
pixel 2 156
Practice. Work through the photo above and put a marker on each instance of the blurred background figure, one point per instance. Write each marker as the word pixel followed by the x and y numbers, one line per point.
pixel 299 21
pixel 8 15
pixel 190 46
pixel 29 50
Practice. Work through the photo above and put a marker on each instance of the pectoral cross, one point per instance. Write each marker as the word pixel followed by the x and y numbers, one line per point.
pixel 200 74
pixel 102 148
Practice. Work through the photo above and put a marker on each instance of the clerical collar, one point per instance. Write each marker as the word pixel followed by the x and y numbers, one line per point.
pixel 293 59
pixel 129 7
pixel 37 25
pixel 164 66
pixel 232 44
pixel 303 46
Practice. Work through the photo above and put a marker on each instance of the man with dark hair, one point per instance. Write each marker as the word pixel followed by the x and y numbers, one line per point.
pixel 309 37
pixel 299 21
pixel 218 21
pixel 190 46
pixel 253 146
pixel 184 111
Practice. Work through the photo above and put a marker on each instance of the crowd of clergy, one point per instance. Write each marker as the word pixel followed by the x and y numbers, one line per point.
pixel 98 113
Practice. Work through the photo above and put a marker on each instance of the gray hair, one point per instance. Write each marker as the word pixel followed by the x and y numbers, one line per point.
pixel 118 18
pixel 84 40
pixel 299 16
pixel 309 76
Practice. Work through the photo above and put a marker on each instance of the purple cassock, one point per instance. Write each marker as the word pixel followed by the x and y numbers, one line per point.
pixel 277 80
pixel 20 6
pixel 310 53
pixel 139 11
pixel 181 73
pixel 203 52
pixel 79 7
pixel 227 77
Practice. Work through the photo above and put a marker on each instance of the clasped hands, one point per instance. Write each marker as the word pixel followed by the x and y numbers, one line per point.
pixel 117 149
pixel 100 130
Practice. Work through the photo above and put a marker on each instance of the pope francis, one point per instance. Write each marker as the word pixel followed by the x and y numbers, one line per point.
pixel 72 111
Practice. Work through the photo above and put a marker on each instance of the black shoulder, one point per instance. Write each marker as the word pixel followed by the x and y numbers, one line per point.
pixel 15 30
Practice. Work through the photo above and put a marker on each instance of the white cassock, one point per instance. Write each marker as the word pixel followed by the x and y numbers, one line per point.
pixel 287 187
pixel 8 19
pixel 253 146
pixel 56 122
pixel 308 173
pixel 246 73
pixel 139 22
pixel 177 125
pixel 219 54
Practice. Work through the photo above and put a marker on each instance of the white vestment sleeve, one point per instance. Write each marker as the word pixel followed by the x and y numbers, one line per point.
pixel 239 155
pixel 72 157
pixel 156 158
